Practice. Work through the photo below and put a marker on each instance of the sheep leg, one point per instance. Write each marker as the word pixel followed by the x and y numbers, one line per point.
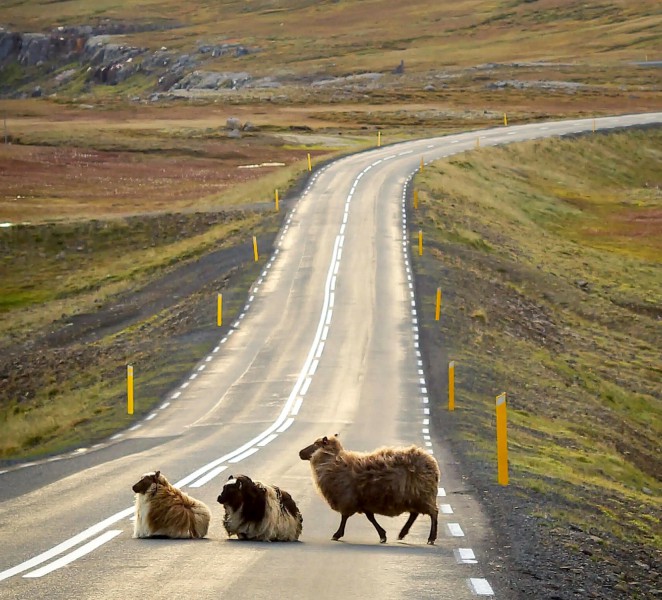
pixel 341 530
pixel 410 521
pixel 380 530
pixel 433 527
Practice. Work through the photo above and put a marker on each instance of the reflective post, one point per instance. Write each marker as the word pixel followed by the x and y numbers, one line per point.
pixel 451 385
pixel 129 389
pixel 502 439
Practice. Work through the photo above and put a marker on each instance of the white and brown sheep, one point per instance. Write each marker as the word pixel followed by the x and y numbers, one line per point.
pixel 388 481
pixel 261 512
pixel 162 510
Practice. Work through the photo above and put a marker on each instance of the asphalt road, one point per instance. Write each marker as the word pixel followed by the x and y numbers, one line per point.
pixel 327 344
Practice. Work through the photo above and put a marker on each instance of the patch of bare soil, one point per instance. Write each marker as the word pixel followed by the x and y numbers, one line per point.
pixel 41 183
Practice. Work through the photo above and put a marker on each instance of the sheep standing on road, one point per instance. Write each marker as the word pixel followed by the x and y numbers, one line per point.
pixel 388 481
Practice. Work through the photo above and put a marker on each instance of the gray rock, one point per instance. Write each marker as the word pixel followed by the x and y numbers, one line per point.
pixel 65 76
pixel 209 80
pixel 10 44
pixel 35 49
pixel 233 124
pixel 235 134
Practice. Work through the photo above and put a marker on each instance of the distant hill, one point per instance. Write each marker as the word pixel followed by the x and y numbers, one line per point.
pixel 151 46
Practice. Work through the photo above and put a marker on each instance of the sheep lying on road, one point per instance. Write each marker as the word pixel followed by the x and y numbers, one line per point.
pixel 257 511
pixel 162 510
pixel 388 481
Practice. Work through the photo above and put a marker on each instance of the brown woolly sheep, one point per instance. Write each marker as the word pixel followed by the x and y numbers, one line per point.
pixel 257 511
pixel 164 511
pixel 388 481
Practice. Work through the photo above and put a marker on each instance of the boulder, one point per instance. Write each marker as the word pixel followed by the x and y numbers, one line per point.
pixel 233 124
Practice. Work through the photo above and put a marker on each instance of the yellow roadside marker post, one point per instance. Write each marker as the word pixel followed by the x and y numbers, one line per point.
pixel 502 439
pixel 379 139
pixel 255 248
pixel 505 119
pixel 310 165
pixel 422 165
pixel 129 389
pixel 420 242
pixel 276 200
pixel 415 199
pixel 451 385
pixel 219 310
pixel 437 312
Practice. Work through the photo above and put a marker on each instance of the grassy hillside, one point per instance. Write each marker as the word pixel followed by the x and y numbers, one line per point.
pixel 376 34
pixel 513 56
pixel 549 255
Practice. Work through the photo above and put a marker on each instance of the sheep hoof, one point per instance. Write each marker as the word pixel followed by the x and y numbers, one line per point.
pixel 430 542
pixel 382 540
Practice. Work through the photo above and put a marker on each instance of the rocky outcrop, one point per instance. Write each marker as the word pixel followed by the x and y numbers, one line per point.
pixel 209 80
pixel 101 53
pixel 62 44
pixel 10 44
pixel 111 63
pixel 223 50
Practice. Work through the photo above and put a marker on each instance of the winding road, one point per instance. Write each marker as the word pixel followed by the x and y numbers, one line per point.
pixel 327 343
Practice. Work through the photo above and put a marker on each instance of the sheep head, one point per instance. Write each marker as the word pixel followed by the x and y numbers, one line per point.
pixel 242 493
pixel 329 445
pixel 146 482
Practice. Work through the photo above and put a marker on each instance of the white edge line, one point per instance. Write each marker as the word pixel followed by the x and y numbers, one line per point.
pixel 78 553
pixel 64 546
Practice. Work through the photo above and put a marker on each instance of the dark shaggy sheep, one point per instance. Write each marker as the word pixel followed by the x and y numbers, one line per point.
pixel 257 511
pixel 162 510
pixel 388 481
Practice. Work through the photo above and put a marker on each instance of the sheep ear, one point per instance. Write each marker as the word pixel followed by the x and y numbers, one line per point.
pixel 335 435
pixel 156 475
pixel 325 440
